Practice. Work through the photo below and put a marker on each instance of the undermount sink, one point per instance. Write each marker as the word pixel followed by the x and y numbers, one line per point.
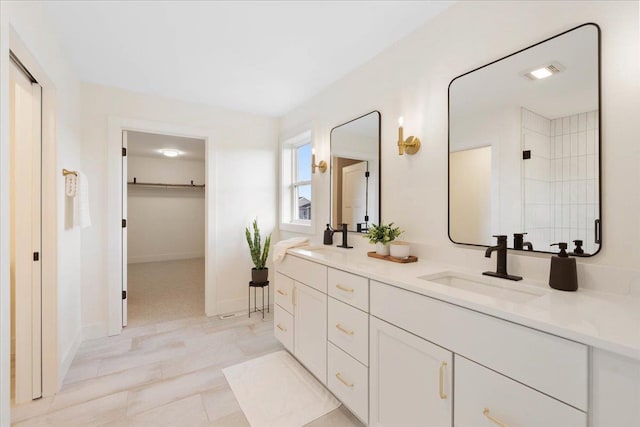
pixel 487 286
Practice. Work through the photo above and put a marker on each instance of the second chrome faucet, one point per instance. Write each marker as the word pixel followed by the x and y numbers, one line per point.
pixel 501 268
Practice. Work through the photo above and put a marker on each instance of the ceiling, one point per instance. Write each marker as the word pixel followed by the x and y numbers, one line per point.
pixel 264 57
pixel 143 144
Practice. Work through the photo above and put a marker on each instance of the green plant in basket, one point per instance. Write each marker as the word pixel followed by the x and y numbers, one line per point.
pixel 383 233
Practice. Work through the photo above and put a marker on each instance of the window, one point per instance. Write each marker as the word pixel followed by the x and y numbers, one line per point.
pixel 296 190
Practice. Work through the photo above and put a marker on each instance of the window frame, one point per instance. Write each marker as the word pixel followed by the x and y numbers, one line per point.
pixel 289 185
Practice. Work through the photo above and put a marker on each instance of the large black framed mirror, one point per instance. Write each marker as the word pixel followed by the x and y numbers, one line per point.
pixel 355 173
pixel 524 146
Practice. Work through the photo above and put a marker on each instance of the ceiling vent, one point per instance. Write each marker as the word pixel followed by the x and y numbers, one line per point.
pixel 544 71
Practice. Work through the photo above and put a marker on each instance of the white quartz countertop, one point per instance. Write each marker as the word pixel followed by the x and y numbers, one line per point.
pixel 605 321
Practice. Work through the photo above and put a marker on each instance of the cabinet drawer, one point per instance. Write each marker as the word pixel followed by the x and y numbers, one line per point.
pixel 545 362
pixel 349 330
pixel 486 398
pixel 284 292
pixel 283 327
pixel 348 379
pixel 349 288
pixel 307 272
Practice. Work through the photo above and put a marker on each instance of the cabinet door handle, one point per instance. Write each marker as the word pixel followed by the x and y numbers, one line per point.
pixel 344 288
pixel 342 329
pixel 283 329
pixel 282 293
pixel 343 381
pixel 293 296
pixel 487 414
pixel 443 395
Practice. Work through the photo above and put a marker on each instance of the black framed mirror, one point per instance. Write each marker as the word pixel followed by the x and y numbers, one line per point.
pixel 524 147
pixel 355 173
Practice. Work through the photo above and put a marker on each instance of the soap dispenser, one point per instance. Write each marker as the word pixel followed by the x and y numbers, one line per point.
pixel 578 251
pixel 328 236
pixel 564 273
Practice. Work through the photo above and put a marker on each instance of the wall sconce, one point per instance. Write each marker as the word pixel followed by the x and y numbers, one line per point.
pixel 411 145
pixel 322 165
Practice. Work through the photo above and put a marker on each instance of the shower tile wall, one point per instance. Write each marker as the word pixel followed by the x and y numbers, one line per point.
pixel 560 181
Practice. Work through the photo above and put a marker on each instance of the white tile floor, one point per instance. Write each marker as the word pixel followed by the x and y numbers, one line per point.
pixel 162 374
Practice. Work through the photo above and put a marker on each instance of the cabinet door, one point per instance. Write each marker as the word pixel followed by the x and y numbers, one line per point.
pixel 486 398
pixel 310 330
pixel 409 379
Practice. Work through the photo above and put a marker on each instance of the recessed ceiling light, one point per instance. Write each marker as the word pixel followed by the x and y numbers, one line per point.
pixel 541 73
pixel 170 153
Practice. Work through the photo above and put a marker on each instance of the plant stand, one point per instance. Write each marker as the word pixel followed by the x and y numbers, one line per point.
pixel 255 305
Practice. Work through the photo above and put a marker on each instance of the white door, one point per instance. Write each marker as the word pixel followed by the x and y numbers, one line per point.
pixel 26 224
pixel 310 329
pixel 410 379
pixel 124 228
pixel 354 194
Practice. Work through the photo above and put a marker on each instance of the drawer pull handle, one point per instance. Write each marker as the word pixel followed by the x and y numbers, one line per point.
pixel 282 293
pixel 344 288
pixel 343 381
pixel 342 329
pixel 487 414
pixel 443 395
pixel 282 328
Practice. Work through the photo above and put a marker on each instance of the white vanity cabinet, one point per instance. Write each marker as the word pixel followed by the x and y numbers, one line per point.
pixel 300 312
pixel 484 397
pixel 410 379
pixel 310 331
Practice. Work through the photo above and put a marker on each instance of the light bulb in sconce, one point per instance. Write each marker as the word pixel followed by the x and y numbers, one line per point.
pixel 411 145
pixel 322 165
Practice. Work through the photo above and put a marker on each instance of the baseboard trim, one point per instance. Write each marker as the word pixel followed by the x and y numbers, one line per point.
pixel 68 358
pixel 164 257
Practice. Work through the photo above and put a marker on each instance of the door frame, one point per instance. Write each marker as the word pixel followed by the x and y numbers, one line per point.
pixel 51 183
pixel 114 215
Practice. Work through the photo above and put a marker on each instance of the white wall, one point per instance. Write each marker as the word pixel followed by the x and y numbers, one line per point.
pixel 34 29
pixel 411 78
pixel 165 223
pixel 245 172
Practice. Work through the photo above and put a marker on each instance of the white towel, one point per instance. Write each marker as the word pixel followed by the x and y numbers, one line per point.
pixel 71 185
pixel 81 216
pixel 280 248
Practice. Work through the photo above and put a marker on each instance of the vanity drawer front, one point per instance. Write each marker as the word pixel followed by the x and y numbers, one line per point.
pixel 348 379
pixel 283 327
pixel 545 362
pixel 349 288
pixel 481 393
pixel 284 292
pixel 307 272
pixel 349 330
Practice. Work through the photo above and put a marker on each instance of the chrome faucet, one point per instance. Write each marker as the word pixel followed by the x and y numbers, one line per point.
pixel 501 269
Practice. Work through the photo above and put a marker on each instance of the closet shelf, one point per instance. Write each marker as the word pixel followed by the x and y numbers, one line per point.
pixel 160 185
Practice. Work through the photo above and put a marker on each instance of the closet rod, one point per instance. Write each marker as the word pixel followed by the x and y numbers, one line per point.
pixel 156 184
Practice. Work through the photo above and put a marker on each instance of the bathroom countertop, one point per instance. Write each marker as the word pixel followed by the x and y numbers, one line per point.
pixel 606 321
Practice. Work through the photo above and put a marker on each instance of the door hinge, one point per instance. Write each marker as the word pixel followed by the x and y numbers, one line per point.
pixel 124 294
pixel 124 151
pixel 526 154
pixel 36 256
pixel 366 174
pixel 124 223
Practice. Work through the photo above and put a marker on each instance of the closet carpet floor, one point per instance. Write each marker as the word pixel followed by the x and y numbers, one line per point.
pixel 164 291
pixel 162 374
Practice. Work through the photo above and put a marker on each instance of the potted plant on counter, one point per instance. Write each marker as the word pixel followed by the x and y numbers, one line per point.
pixel 260 273
pixel 381 235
